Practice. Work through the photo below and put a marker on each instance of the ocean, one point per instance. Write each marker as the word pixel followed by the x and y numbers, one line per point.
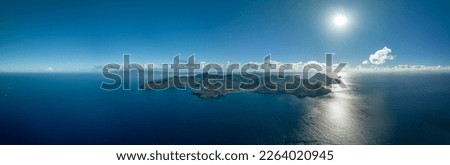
pixel 376 108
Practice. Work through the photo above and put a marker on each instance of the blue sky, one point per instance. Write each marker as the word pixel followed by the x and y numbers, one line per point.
pixel 75 35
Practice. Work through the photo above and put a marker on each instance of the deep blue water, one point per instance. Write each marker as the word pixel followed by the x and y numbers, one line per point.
pixel 377 108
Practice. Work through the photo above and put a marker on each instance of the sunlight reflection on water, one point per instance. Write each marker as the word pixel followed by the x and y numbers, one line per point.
pixel 341 117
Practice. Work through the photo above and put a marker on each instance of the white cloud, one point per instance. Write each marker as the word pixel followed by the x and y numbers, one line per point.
pixel 50 69
pixel 380 56
pixel 365 62
pixel 401 68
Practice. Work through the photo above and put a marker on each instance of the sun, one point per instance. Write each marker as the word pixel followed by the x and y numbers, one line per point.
pixel 340 20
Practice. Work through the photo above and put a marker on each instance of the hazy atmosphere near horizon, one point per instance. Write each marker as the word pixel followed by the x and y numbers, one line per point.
pixel 58 84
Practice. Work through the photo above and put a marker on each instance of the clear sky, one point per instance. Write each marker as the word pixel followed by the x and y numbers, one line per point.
pixel 74 35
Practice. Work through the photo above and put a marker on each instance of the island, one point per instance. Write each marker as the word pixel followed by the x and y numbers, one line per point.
pixel 208 85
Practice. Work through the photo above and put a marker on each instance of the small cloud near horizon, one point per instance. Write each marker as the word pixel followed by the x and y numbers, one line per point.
pixel 380 57
pixel 50 69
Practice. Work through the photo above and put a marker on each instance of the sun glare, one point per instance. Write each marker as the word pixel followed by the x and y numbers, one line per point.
pixel 340 20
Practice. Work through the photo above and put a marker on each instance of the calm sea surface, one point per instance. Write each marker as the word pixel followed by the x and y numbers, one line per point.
pixel 376 108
